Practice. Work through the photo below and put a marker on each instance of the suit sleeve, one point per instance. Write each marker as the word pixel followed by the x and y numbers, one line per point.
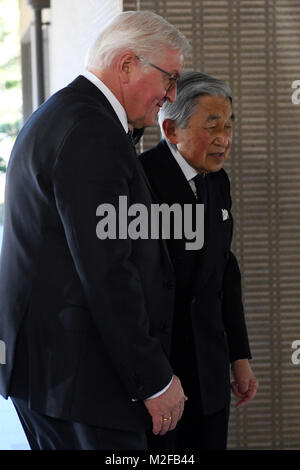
pixel 233 312
pixel 233 309
pixel 95 166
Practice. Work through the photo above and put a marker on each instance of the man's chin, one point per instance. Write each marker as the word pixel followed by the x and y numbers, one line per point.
pixel 217 166
pixel 210 168
pixel 151 120
pixel 146 121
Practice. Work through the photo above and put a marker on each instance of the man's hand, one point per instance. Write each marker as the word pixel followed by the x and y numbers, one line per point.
pixel 166 409
pixel 245 383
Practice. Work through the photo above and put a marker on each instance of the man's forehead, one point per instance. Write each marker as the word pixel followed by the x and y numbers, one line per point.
pixel 217 117
pixel 215 107
pixel 172 61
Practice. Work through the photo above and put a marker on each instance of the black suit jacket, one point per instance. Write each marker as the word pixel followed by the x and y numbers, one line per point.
pixel 83 319
pixel 208 307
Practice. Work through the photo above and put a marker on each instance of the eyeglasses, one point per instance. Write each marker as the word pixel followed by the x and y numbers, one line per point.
pixel 173 77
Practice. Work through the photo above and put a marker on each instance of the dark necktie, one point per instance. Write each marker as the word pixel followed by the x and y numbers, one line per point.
pixel 200 183
pixel 129 135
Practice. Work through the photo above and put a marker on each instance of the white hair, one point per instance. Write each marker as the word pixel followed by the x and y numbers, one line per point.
pixel 143 32
pixel 190 87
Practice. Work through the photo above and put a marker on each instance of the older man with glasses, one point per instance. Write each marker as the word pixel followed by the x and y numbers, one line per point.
pixel 83 318
pixel 209 329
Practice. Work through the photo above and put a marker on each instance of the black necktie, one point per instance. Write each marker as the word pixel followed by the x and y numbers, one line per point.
pixel 200 183
pixel 129 134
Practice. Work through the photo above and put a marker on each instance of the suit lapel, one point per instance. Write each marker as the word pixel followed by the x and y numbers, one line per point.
pixel 144 176
pixel 167 179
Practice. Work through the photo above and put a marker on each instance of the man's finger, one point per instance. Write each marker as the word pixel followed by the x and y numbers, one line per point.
pixel 173 425
pixel 242 402
pixel 156 421
pixel 251 394
pixel 181 410
pixel 237 391
pixel 175 419
pixel 243 386
pixel 165 424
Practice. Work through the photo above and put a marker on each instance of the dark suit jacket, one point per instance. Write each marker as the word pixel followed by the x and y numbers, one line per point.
pixel 83 319
pixel 208 306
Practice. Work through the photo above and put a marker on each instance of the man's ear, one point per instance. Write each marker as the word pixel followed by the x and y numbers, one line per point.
pixel 170 130
pixel 126 62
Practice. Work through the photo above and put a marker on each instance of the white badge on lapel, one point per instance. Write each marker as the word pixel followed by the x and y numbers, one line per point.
pixel 225 214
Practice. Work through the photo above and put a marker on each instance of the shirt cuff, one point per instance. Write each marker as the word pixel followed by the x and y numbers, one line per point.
pixel 158 393
pixel 161 392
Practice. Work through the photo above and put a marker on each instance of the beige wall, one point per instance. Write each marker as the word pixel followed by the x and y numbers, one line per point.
pixel 73 25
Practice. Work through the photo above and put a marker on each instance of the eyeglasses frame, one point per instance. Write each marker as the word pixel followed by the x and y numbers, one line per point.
pixel 172 76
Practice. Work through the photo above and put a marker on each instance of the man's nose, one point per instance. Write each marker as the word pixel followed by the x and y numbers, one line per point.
pixel 222 139
pixel 171 95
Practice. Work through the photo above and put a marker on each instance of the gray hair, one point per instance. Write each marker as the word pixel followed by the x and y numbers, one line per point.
pixel 145 33
pixel 191 86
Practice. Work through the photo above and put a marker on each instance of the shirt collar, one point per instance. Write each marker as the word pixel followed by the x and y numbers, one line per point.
pixel 188 171
pixel 115 103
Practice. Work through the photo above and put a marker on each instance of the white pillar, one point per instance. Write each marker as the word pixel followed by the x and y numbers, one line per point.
pixel 74 25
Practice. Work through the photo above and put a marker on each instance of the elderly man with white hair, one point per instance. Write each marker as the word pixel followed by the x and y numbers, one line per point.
pixel 209 329
pixel 84 317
